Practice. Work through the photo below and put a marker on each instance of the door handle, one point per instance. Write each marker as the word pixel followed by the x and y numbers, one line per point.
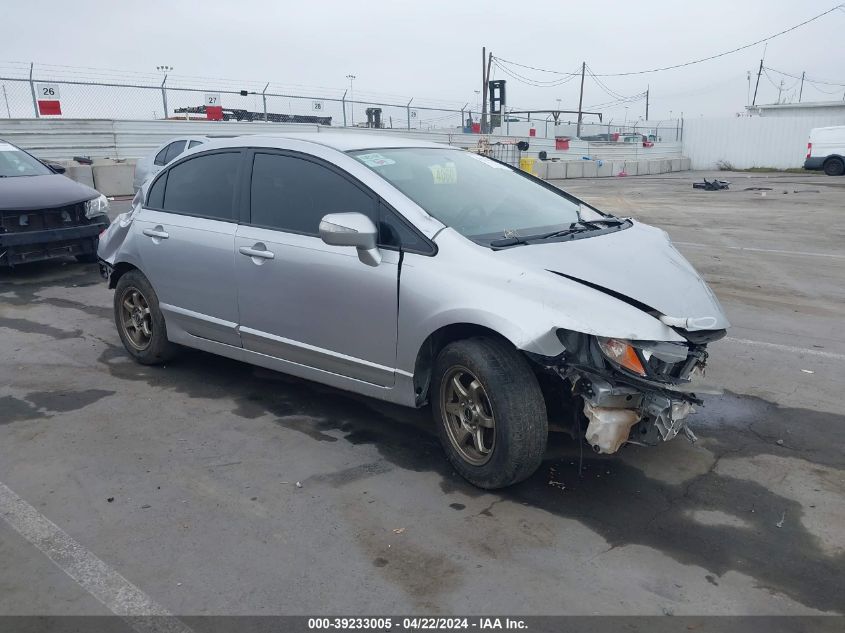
pixel 157 232
pixel 256 251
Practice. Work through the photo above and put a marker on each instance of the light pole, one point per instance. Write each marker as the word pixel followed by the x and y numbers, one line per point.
pixel 477 101
pixel 164 69
pixel 351 78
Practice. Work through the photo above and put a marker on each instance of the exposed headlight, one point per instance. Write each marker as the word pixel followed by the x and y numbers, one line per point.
pixel 97 206
pixel 622 353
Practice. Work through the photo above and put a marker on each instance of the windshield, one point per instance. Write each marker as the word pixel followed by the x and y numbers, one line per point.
pixel 480 198
pixel 14 162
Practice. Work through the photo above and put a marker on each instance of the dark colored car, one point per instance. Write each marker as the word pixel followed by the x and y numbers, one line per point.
pixel 43 214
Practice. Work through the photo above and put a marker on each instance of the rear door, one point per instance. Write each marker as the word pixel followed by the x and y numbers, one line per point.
pixel 300 299
pixel 186 243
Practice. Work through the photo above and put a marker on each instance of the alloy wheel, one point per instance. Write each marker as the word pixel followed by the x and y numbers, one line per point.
pixel 135 318
pixel 468 415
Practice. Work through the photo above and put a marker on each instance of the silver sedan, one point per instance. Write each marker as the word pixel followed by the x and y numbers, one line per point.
pixel 419 274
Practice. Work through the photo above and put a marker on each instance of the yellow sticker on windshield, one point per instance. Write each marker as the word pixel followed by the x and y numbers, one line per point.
pixel 444 174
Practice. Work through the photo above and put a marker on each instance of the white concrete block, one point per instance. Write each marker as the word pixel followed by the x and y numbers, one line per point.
pixel 686 164
pixel 80 173
pixel 676 164
pixel 590 169
pixel 618 165
pixel 541 169
pixel 114 180
pixel 557 170
pixel 632 167
pixel 575 169
pixel 605 169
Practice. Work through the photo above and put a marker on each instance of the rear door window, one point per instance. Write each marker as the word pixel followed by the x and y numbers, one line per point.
pixel 203 186
pixel 155 196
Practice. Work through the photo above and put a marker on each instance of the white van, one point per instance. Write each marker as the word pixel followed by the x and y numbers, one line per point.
pixel 826 150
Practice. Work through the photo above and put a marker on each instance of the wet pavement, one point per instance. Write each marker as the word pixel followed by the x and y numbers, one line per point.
pixel 201 458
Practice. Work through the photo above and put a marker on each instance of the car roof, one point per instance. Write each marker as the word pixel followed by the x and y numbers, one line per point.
pixel 341 141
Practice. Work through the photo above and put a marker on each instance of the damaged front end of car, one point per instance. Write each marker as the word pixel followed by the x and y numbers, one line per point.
pixel 629 391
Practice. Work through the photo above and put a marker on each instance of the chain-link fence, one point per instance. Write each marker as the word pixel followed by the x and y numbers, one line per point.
pixel 48 91
pixel 80 94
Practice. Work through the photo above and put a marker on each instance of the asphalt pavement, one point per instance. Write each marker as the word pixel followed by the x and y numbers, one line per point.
pixel 208 486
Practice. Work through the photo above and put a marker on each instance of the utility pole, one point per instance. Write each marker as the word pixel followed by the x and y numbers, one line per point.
pixel 759 72
pixel 581 99
pixel 801 92
pixel 647 88
pixel 486 62
pixel 780 89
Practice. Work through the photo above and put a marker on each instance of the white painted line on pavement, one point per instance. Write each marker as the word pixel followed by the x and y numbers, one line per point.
pixel 785 348
pixel 119 595
pixel 761 250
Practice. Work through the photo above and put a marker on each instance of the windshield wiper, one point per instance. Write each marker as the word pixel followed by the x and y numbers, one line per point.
pixel 518 239
pixel 574 227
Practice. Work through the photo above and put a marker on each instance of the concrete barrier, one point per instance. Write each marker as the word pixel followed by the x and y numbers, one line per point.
pixel 575 169
pixel 557 170
pixel 675 164
pixel 591 169
pixel 80 173
pixel 605 169
pixel 541 169
pixel 113 179
pixel 632 167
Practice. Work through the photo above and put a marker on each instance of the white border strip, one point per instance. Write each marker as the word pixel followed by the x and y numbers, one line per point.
pixel 785 348
pixel 760 250
pixel 116 593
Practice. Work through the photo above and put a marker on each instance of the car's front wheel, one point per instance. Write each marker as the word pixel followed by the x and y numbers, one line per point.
pixel 139 321
pixel 489 412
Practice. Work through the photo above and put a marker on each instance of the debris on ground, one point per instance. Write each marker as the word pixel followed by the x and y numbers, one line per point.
pixel 110 499
pixel 398 530
pixel 146 506
pixel 711 185
pixel 779 442
pixel 298 484
pixel 808 371
pixel 553 481
pixel 758 189
pixel 780 523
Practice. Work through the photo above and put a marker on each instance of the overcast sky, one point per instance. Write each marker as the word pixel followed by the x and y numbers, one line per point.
pixel 432 49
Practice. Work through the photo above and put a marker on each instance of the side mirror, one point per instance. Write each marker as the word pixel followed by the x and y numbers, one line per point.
pixel 352 229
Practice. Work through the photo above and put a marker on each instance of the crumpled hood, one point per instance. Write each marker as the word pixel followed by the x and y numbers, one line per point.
pixel 639 263
pixel 22 193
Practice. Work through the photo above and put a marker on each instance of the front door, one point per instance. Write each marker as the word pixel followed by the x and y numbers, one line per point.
pixel 186 245
pixel 300 299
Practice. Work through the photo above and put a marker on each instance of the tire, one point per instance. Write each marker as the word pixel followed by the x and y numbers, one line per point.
pixel 139 321
pixel 509 399
pixel 834 167
pixel 87 258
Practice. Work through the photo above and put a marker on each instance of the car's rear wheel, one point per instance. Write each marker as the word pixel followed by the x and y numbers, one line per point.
pixel 834 167
pixel 139 321
pixel 489 412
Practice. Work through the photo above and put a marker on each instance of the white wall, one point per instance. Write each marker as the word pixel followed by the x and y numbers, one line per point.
pixel 100 138
pixel 779 142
